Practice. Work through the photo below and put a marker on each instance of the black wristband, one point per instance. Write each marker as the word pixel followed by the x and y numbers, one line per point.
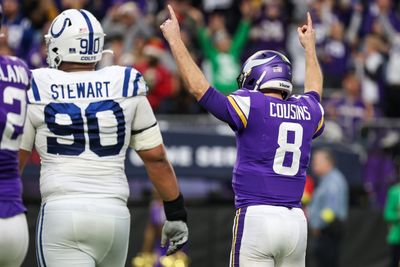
pixel 175 209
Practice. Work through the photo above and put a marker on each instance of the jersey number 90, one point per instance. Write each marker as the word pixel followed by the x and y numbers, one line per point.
pixel 62 144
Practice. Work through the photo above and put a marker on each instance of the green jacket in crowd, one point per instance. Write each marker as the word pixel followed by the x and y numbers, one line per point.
pixel 225 67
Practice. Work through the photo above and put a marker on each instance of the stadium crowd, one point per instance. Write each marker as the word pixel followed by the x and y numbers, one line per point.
pixel 358 44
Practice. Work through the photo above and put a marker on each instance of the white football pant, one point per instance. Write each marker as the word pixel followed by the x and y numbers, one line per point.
pixel 83 232
pixel 14 240
pixel 269 236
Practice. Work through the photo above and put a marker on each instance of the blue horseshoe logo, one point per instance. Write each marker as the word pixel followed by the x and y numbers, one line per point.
pixel 56 35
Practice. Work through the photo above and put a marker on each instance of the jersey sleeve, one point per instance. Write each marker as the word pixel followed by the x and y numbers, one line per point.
pixel 145 130
pixel 133 83
pixel 321 123
pixel 314 101
pixel 33 94
pixel 233 109
pixel 29 133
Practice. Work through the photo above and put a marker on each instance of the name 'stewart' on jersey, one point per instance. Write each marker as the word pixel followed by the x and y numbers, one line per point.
pixel 80 90
pixel 289 111
pixel 14 73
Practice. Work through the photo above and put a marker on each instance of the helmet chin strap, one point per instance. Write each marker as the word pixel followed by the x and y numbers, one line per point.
pixel 259 80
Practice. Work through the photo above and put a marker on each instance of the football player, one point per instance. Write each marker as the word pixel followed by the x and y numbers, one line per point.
pixel 81 121
pixel 14 82
pixel 274 131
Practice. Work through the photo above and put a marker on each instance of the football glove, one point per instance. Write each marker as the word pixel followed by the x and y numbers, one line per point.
pixel 176 232
pixel 175 229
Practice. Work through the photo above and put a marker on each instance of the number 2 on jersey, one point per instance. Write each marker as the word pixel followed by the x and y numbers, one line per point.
pixel 286 147
pixel 14 120
pixel 73 125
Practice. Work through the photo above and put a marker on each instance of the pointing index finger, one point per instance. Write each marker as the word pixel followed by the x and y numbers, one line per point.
pixel 309 20
pixel 172 13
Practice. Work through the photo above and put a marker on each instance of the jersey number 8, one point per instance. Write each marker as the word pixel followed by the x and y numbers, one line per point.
pixel 63 145
pixel 286 147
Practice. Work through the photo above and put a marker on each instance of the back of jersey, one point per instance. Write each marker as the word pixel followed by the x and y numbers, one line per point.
pixel 274 146
pixel 14 82
pixel 81 124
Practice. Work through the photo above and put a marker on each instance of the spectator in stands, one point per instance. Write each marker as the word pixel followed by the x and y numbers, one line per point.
pixel 19 29
pixel 370 62
pixel 115 43
pixel 221 50
pixel 323 16
pixel 353 28
pixel 328 209
pixel 185 13
pixel 37 55
pixel 392 77
pixel 347 108
pixel 269 28
pixel 335 56
pixel 44 12
pixel 322 19
pixel 180 102
pixel 344 10
pixel 157 77
pixel 392 216
pixel 127 18
pixel 374 9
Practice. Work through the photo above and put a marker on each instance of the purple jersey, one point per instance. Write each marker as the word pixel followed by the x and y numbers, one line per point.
pixel 14 82
pixel 273 139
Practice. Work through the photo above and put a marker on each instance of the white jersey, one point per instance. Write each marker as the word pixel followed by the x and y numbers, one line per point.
pixel 81 124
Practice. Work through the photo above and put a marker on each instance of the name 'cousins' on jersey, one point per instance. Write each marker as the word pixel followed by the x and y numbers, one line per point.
pixel 14 82
pixel 271 164
pixel 90 118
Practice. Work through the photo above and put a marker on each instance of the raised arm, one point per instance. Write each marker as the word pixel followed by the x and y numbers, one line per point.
pixel 191 74
pixel 313 79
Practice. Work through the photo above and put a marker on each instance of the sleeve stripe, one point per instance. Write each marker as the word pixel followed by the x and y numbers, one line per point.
pixel 136 84
pixel 238 111
pixel 35 90
pixel 127 76
pixel 133 132
pixel 321 122
pixel 243 103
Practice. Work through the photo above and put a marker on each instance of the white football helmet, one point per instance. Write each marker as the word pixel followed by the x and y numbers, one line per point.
pixel 74 36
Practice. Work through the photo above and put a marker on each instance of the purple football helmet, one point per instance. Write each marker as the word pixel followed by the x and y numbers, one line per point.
pixel 267 69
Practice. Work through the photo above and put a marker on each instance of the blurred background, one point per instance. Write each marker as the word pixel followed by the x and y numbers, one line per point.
pixel 358 45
